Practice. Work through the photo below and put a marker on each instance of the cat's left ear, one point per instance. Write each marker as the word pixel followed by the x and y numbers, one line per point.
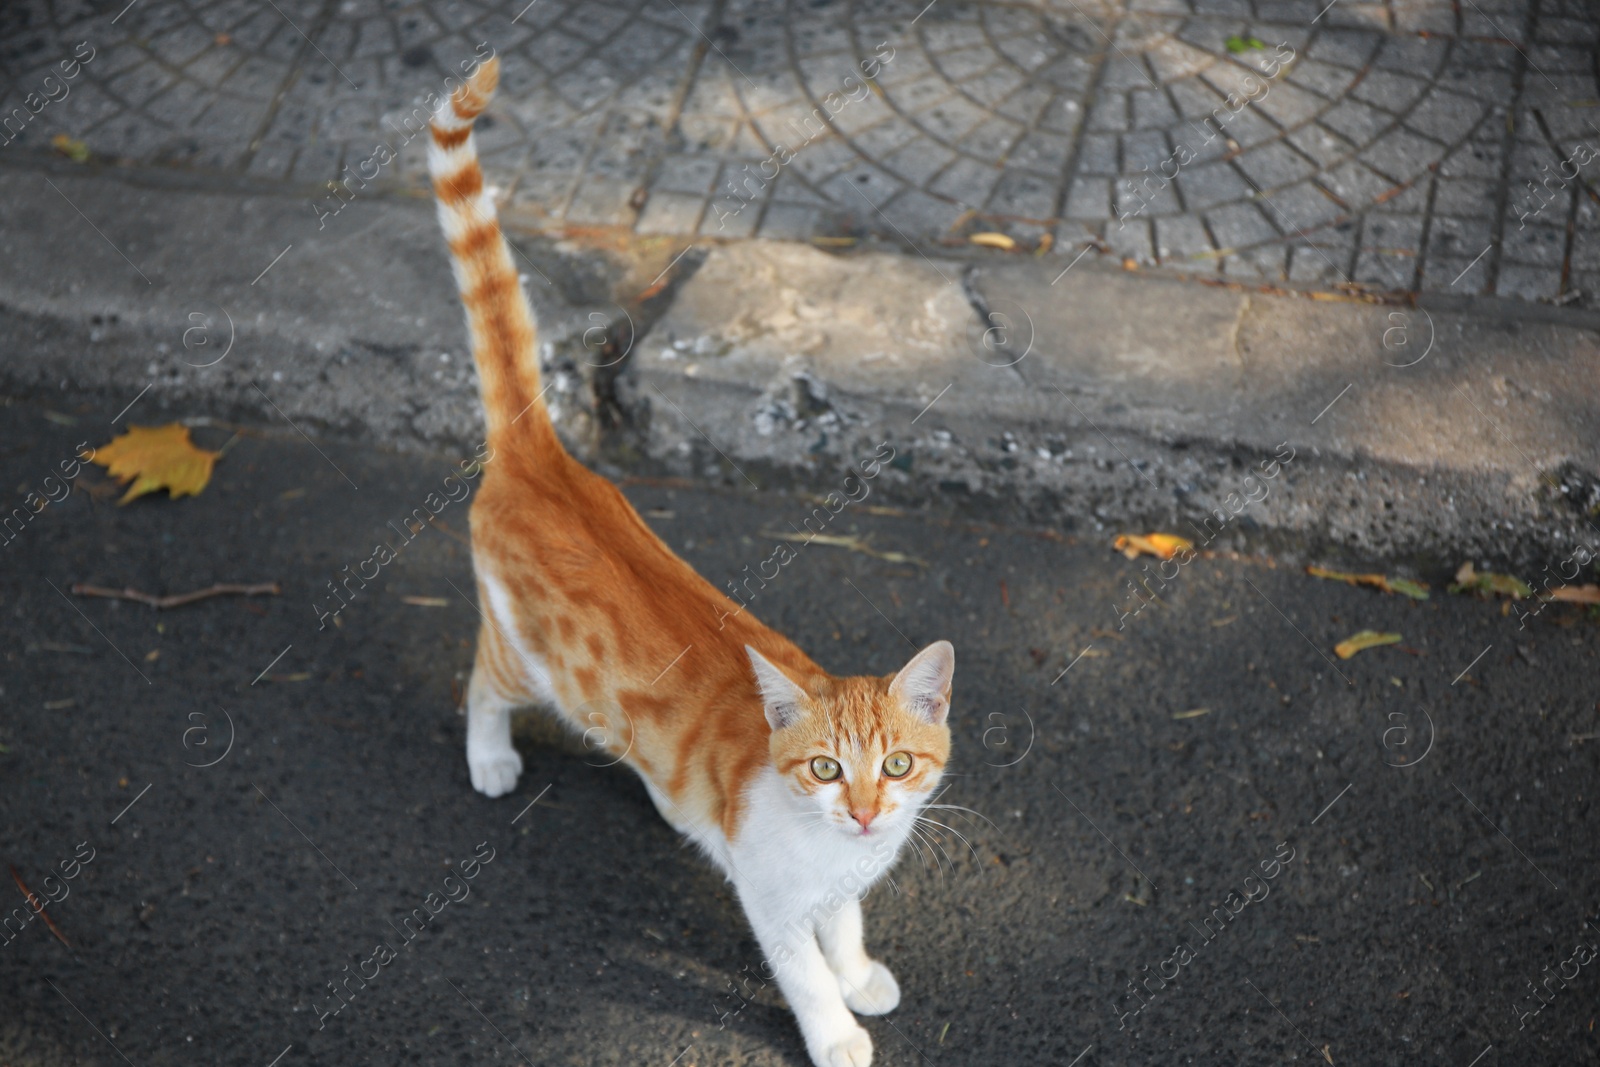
pixel 780 697
pixel 923 685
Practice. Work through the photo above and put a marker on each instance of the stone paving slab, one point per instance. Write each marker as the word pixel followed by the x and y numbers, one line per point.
pixel 1412 145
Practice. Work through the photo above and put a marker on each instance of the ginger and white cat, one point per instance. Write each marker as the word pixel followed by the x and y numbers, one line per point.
pixel 801 786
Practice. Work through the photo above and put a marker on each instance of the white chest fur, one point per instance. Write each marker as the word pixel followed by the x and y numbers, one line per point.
pixel 797 861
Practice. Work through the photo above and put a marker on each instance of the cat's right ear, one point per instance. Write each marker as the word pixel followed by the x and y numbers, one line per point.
pixel 780 698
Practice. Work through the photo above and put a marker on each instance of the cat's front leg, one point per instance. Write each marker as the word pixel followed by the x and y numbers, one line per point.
pixel 832 1036
pixel 867 985
pixel 492 760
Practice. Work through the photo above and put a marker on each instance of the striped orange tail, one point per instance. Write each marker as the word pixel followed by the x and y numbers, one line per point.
pixel 499 319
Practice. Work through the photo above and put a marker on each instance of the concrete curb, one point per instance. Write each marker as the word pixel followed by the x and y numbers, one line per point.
pixel 1084 401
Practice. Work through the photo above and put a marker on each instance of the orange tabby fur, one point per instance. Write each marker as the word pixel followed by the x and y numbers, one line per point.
pixel 600 598
pixel 587 611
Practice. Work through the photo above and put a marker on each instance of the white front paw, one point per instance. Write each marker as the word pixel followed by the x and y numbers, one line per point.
pixel 494 773
pixel 853 1049
pixel 875 993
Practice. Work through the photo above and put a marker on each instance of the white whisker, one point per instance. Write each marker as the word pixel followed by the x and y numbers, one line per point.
pixel 936 849
pixel 949 860
pixel 950 829
pixel 933 802
pixel 917 846
pixel 968 811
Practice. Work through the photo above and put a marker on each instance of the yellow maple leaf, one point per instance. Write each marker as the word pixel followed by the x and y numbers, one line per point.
pixel 157 457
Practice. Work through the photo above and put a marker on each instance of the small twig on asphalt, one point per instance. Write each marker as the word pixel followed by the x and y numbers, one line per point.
pixel 434 520
pixel 847 541
pixel 38 907
pixel 95 489
pixel 177 600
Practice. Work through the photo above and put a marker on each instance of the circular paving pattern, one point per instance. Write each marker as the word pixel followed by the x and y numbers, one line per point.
pixel 1209 141
pixel 1398 145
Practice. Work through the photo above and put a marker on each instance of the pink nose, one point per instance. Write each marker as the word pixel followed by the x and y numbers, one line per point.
pixel 863 817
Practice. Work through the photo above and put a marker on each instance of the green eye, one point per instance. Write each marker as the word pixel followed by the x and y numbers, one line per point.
pixel 824 768
pixel 897 765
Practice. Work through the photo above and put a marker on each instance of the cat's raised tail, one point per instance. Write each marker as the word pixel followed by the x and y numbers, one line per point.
pixel 499 319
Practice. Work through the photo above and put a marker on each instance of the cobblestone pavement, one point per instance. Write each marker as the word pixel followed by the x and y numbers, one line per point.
pixel 1449 145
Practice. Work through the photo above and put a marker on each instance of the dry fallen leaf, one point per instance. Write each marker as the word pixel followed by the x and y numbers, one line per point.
pixel 1489 583
pixel 1363 640
pixel 1403 586
pixel 994 240
pixel 160 457
pixel 1576 594
pixel 70 147
pixel 1160 545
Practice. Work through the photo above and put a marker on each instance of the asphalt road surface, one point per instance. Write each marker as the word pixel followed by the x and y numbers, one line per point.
pixel 230 806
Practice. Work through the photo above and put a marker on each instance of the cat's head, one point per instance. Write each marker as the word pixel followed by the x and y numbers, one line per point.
pixel 863 753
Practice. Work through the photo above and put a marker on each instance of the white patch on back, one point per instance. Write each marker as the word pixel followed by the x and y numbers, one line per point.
pixel 504 619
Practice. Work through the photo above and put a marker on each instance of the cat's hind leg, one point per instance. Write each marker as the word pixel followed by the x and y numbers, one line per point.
pixel 867 985
pixel 492 695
